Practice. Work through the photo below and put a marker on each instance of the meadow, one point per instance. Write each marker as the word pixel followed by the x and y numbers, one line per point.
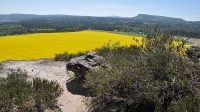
pixel 46 45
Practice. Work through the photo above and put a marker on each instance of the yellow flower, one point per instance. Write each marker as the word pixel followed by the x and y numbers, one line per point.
pixel 46 45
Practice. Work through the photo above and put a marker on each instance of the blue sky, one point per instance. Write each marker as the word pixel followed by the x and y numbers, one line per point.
pixel 186 9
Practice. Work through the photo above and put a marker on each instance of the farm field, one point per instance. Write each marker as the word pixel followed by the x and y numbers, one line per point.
pixel 46 45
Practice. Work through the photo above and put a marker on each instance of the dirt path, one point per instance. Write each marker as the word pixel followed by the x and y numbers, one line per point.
pixel 50 70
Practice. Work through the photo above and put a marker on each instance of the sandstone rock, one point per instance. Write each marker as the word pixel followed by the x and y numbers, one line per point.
pixel 82 64
pixel 193 52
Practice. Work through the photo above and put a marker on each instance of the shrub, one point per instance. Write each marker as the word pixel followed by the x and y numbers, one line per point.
pixel 66 56
pixel 1 66
pixel 151 79
pixel 46 93
pixel 17 94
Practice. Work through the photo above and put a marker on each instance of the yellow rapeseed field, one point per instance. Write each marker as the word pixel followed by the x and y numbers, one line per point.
pixel 46 45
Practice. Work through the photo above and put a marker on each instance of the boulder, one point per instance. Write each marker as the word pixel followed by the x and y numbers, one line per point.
pixel 193 52
pixel 82 64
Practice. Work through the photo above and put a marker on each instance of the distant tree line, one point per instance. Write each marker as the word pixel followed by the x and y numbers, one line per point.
pixel 76 23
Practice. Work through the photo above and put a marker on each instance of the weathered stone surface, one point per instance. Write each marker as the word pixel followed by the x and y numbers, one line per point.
pixel 193 52
pixel 84 63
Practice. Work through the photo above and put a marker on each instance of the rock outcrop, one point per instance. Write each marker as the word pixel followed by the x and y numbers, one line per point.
pixel 82 64
pixel 193 52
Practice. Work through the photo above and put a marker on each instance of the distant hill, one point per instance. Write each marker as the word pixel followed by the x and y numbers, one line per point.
pixel 154 18
pixel 139 17
pixel 17 17
pixel 29 23
pixel 113 16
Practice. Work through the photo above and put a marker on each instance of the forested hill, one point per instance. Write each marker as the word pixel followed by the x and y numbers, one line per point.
pixel 16 17
pixel 140 17
pixel 26 23
pixel 154 18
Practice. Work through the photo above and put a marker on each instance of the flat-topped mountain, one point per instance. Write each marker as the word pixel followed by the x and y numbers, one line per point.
pixel 155 18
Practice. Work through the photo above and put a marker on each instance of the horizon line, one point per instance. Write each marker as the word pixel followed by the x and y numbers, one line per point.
pixel 117 16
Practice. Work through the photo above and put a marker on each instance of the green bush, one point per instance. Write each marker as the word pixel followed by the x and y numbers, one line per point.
pixel 46 93
pixel 151 79
pixel 66 56
pixel 18 94
pixel 1 66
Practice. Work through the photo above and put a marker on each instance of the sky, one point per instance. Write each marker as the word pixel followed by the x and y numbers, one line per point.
pixel 186 9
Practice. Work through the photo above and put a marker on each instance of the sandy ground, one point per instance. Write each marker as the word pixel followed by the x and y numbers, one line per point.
pixel 50 70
